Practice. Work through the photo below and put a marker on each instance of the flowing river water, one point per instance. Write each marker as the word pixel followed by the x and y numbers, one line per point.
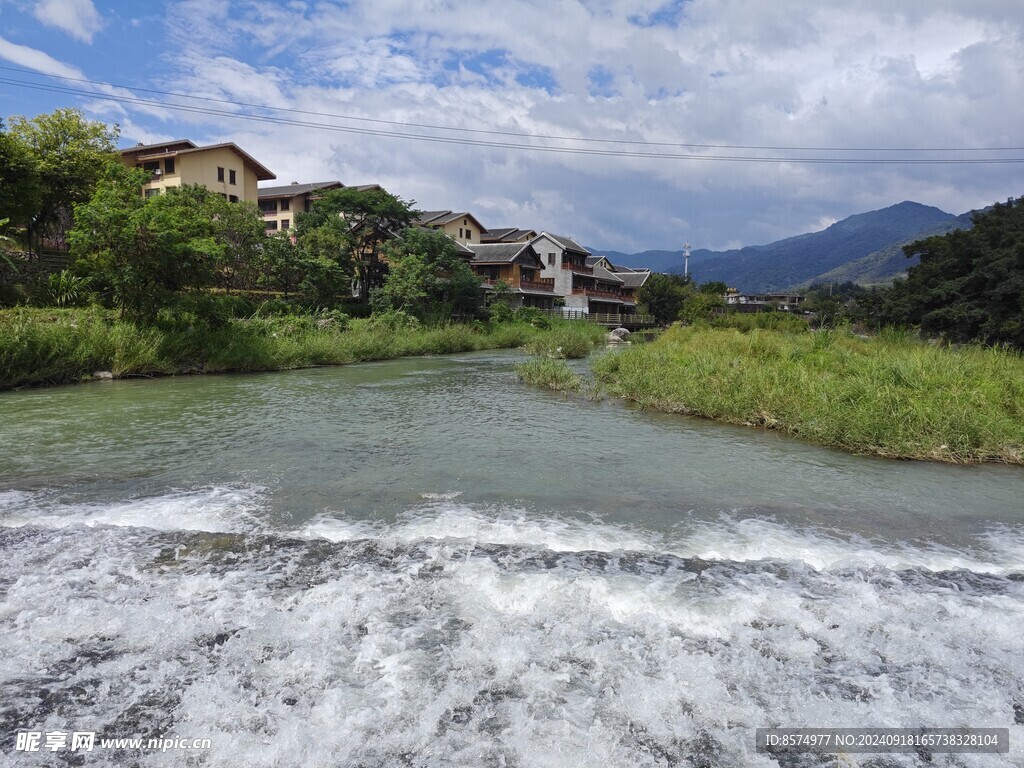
pixel 425 562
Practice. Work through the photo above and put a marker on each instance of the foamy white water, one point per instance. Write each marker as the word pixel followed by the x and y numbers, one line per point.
pixel 426 563
pixel 464 635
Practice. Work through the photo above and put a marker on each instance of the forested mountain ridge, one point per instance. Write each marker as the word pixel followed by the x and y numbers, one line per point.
pixel 862 248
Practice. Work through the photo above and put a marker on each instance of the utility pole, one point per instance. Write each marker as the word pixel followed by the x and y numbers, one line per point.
pixel 686 259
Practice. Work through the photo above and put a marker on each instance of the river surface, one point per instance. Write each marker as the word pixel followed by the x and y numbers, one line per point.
pixel 426 562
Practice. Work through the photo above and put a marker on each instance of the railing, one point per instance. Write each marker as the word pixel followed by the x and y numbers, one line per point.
pixel 544 284
pixel 578 268
pixel 597 293
pixel 614 320
pixel 269 211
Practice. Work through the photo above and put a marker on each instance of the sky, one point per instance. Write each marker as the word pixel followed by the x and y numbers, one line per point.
pixel 625 124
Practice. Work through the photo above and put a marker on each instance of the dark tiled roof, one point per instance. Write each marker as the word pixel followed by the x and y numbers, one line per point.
pixel 633 279
pixel 603 274
pixel 501 253
pixel 163 146
pixel 290 190
pixel 567 243
pixel 430 217
pixel 507 235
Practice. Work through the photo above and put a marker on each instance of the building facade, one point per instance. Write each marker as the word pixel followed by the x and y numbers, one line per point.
pixel 222 168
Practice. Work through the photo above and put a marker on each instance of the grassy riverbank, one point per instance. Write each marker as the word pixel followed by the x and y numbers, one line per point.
pixel 888 396
pixel 54 346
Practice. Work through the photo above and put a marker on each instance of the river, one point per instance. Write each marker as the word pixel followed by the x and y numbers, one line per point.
pixel 425 562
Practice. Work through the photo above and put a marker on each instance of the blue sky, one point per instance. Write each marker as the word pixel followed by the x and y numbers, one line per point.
pixel 712 80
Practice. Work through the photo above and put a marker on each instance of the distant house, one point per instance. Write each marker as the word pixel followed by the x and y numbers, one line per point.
pixel 461 227
pixel 507 235
pixel 221 168
pixel 519 267
pixel 761 302
pixel 280 204
pixel 588 284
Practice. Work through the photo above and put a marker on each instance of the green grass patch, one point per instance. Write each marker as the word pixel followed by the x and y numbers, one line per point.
pixel 550 373
pixel 567 340
pixel 57 346
pixel 888 396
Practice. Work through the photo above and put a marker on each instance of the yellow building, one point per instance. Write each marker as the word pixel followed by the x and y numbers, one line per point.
pixel 221 168
pixel 460 227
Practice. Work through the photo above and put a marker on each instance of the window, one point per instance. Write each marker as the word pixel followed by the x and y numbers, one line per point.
pixel 169 165
pixel 551 258
pixel 285 204
pixel 268 206
pixel 271 225
pixel 285 223
pixel 152 192
pixel 460 231
pixel 220 174
pixel 231 177
pixel 223 195
pixel 151 166
pixel 233 198
pixel 469 234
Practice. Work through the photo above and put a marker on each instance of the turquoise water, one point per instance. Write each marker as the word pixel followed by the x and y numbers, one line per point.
pixel 426 562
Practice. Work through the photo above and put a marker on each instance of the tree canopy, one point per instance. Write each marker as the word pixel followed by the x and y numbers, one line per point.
pixel 968 286
pixel 426 277
pixel 70 155
pixel 370 217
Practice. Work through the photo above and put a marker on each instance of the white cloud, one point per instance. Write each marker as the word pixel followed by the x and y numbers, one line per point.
pixel 79 18
pixel 822 74
pixel 37 60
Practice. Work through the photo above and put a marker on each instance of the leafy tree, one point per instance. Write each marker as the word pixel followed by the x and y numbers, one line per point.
pixel 239 228
pixel 143 251
pixel 20 188
pixel 663 296
pixel 70 155
pixel 370 217
pixel 714 287
pixel 281 264
pixel 700 305
pixel 426 277
pixel 969 285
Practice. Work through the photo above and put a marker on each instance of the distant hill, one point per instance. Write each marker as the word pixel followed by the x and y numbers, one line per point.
pixel 863 248
pixel 882 266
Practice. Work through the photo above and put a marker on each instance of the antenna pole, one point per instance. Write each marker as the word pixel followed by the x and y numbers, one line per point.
pixel 686 259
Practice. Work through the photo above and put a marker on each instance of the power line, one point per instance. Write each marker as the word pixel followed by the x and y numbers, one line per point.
pixel 490 143
pixel 429 126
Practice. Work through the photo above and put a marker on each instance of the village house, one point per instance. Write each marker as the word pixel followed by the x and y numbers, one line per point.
pixel 763 302
pixel 588 284
pixel 518 266
pixel 221 168
pixel 460 227
pixel 280 204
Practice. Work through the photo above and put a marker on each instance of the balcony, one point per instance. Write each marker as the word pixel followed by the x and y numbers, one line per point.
pixel 544 284
pixel 599 294
pixel 578 268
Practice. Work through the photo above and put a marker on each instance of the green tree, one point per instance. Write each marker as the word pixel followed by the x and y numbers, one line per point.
pixel 426 278
pixel 239 228
pixel 20 188
pixel 143 251
pixel 371 218
pixel 969 285
pixel 663 296
pixel 714 287
pixel 70 155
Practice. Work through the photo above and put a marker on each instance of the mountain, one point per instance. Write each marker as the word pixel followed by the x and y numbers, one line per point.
pixel 882 266
pixel 873 239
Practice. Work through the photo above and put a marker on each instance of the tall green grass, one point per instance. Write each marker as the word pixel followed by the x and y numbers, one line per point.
pixel 56 346
pixel 888 396
pixel 553 374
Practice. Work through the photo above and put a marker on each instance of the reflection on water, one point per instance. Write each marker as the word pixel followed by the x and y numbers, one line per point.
pixel 424 562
